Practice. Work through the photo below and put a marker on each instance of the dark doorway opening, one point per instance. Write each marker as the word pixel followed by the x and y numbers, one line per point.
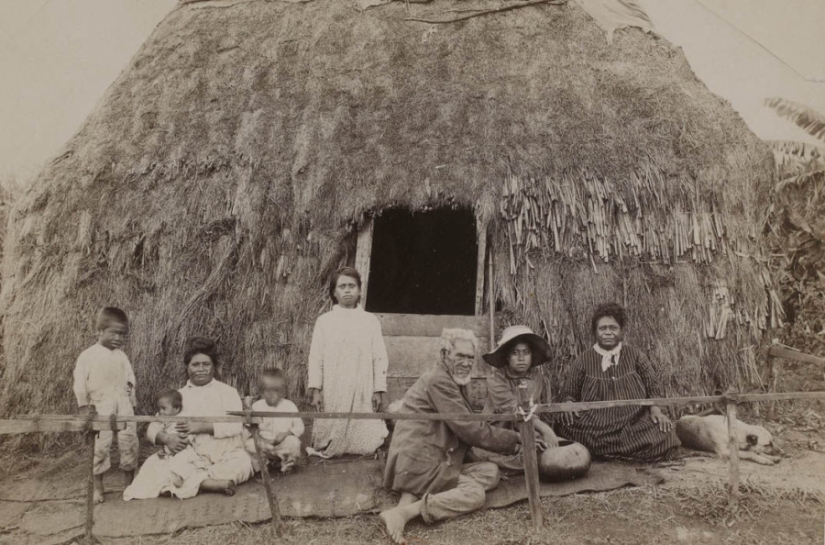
pixel 423 262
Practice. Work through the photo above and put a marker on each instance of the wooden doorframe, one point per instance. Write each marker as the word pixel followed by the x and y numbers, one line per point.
pixel 481 259
pixel 363 256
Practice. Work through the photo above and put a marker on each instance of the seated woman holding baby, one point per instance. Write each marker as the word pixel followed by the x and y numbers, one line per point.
pixel 197 455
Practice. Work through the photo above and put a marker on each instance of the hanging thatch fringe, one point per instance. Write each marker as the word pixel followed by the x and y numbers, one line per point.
pixel 584 216
pixel 559 213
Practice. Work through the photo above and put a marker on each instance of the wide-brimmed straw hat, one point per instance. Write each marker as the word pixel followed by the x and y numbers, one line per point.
pixel 519 333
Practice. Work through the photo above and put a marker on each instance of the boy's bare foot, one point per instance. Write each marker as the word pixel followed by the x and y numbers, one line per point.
pixel 229 490
pixel 395 522
pixel 97 495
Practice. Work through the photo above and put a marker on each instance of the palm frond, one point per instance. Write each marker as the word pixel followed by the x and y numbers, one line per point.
pixel 801 179
pixel 803 116
pixel 797 160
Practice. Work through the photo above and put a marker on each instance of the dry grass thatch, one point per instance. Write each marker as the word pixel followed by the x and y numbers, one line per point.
pixel 222 176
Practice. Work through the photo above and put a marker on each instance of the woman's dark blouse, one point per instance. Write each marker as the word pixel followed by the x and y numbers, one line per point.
pixel 616 432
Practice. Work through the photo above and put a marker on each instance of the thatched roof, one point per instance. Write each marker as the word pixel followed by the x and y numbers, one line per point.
pixel 219 180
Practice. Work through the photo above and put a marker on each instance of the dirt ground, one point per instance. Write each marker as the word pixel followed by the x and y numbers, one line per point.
pixel 781 504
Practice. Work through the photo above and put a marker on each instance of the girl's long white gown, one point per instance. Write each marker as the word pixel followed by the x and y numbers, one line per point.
pixel 348 363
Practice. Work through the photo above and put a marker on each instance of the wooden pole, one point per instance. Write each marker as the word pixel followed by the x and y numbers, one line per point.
pixel 88 538
pixel 531 472
pixel 263 462
pixel 733 460
pixel 772 378
pixel 491 299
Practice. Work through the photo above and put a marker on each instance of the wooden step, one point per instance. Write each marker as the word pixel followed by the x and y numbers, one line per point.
pixel 413 344
pixel 430 325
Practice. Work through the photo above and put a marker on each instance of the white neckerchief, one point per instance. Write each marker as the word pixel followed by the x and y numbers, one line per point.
pixel 609 357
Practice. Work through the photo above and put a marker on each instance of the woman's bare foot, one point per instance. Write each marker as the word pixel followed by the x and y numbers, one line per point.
pixel 218 485
pixel 97 495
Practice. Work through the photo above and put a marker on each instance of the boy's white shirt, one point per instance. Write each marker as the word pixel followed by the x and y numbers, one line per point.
pixel 270 427
pixel 101 374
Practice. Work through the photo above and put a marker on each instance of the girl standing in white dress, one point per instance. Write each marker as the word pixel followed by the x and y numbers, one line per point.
pixel 347 371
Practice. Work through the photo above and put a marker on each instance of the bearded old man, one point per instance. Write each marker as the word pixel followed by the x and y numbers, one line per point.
pixel 426 457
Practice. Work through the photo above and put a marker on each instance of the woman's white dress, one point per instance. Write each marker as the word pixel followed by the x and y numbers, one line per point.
pixel 348 363
pixel 220 455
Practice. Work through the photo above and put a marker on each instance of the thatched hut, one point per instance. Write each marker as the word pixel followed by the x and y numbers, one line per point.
pixel 251 147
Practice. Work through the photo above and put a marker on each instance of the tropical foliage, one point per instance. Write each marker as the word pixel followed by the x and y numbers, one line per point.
pixel 796 228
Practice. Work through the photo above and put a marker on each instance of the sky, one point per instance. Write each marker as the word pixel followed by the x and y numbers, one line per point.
pixel 58 57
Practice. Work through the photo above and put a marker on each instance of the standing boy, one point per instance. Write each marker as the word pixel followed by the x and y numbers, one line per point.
pixel 281 437
pixel 104 380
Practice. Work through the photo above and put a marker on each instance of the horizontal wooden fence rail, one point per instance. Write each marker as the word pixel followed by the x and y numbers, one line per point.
pixel 58 423
pixel 94 423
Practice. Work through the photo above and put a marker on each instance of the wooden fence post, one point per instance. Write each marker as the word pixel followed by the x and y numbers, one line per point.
pixel 733 460
pixel 531 471
pixel 90 486
pixel 263 462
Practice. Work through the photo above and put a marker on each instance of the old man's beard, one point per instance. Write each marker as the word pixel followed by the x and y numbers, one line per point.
pixel 461 377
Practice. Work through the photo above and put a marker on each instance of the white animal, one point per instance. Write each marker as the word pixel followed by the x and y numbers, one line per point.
pixel 710 434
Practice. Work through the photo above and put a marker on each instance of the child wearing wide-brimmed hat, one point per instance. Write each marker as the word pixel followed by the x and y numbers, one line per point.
pixel 518 381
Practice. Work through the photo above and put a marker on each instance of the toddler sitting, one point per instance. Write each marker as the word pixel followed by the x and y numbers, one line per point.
pixel 281 437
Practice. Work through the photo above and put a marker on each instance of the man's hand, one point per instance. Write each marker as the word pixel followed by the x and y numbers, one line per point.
pixel 175 442
pixel 548 436
pixel 660 418
pixel 379 401
pixel 316 399
pixel 85 411
pixel 194 428
pixel 541 444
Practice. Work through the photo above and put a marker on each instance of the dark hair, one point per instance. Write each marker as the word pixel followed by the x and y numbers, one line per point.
pixel 107 315
pixel 344 271
pixel 608 310
pixel 173 395
pixel 200 345
pixel 273 372
pixel 508 348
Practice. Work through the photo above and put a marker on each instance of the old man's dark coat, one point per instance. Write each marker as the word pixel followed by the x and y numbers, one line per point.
pixel 426 455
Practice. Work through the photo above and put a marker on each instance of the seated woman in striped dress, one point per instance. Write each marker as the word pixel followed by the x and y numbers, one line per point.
pixel 611 370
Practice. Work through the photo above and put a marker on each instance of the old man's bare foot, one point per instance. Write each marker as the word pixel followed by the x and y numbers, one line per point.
pixel 395 521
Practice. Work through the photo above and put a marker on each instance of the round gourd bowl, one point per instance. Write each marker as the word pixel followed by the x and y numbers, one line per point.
pixel 569 460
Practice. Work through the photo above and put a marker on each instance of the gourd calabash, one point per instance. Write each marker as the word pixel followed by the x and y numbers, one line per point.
pixel 569 460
